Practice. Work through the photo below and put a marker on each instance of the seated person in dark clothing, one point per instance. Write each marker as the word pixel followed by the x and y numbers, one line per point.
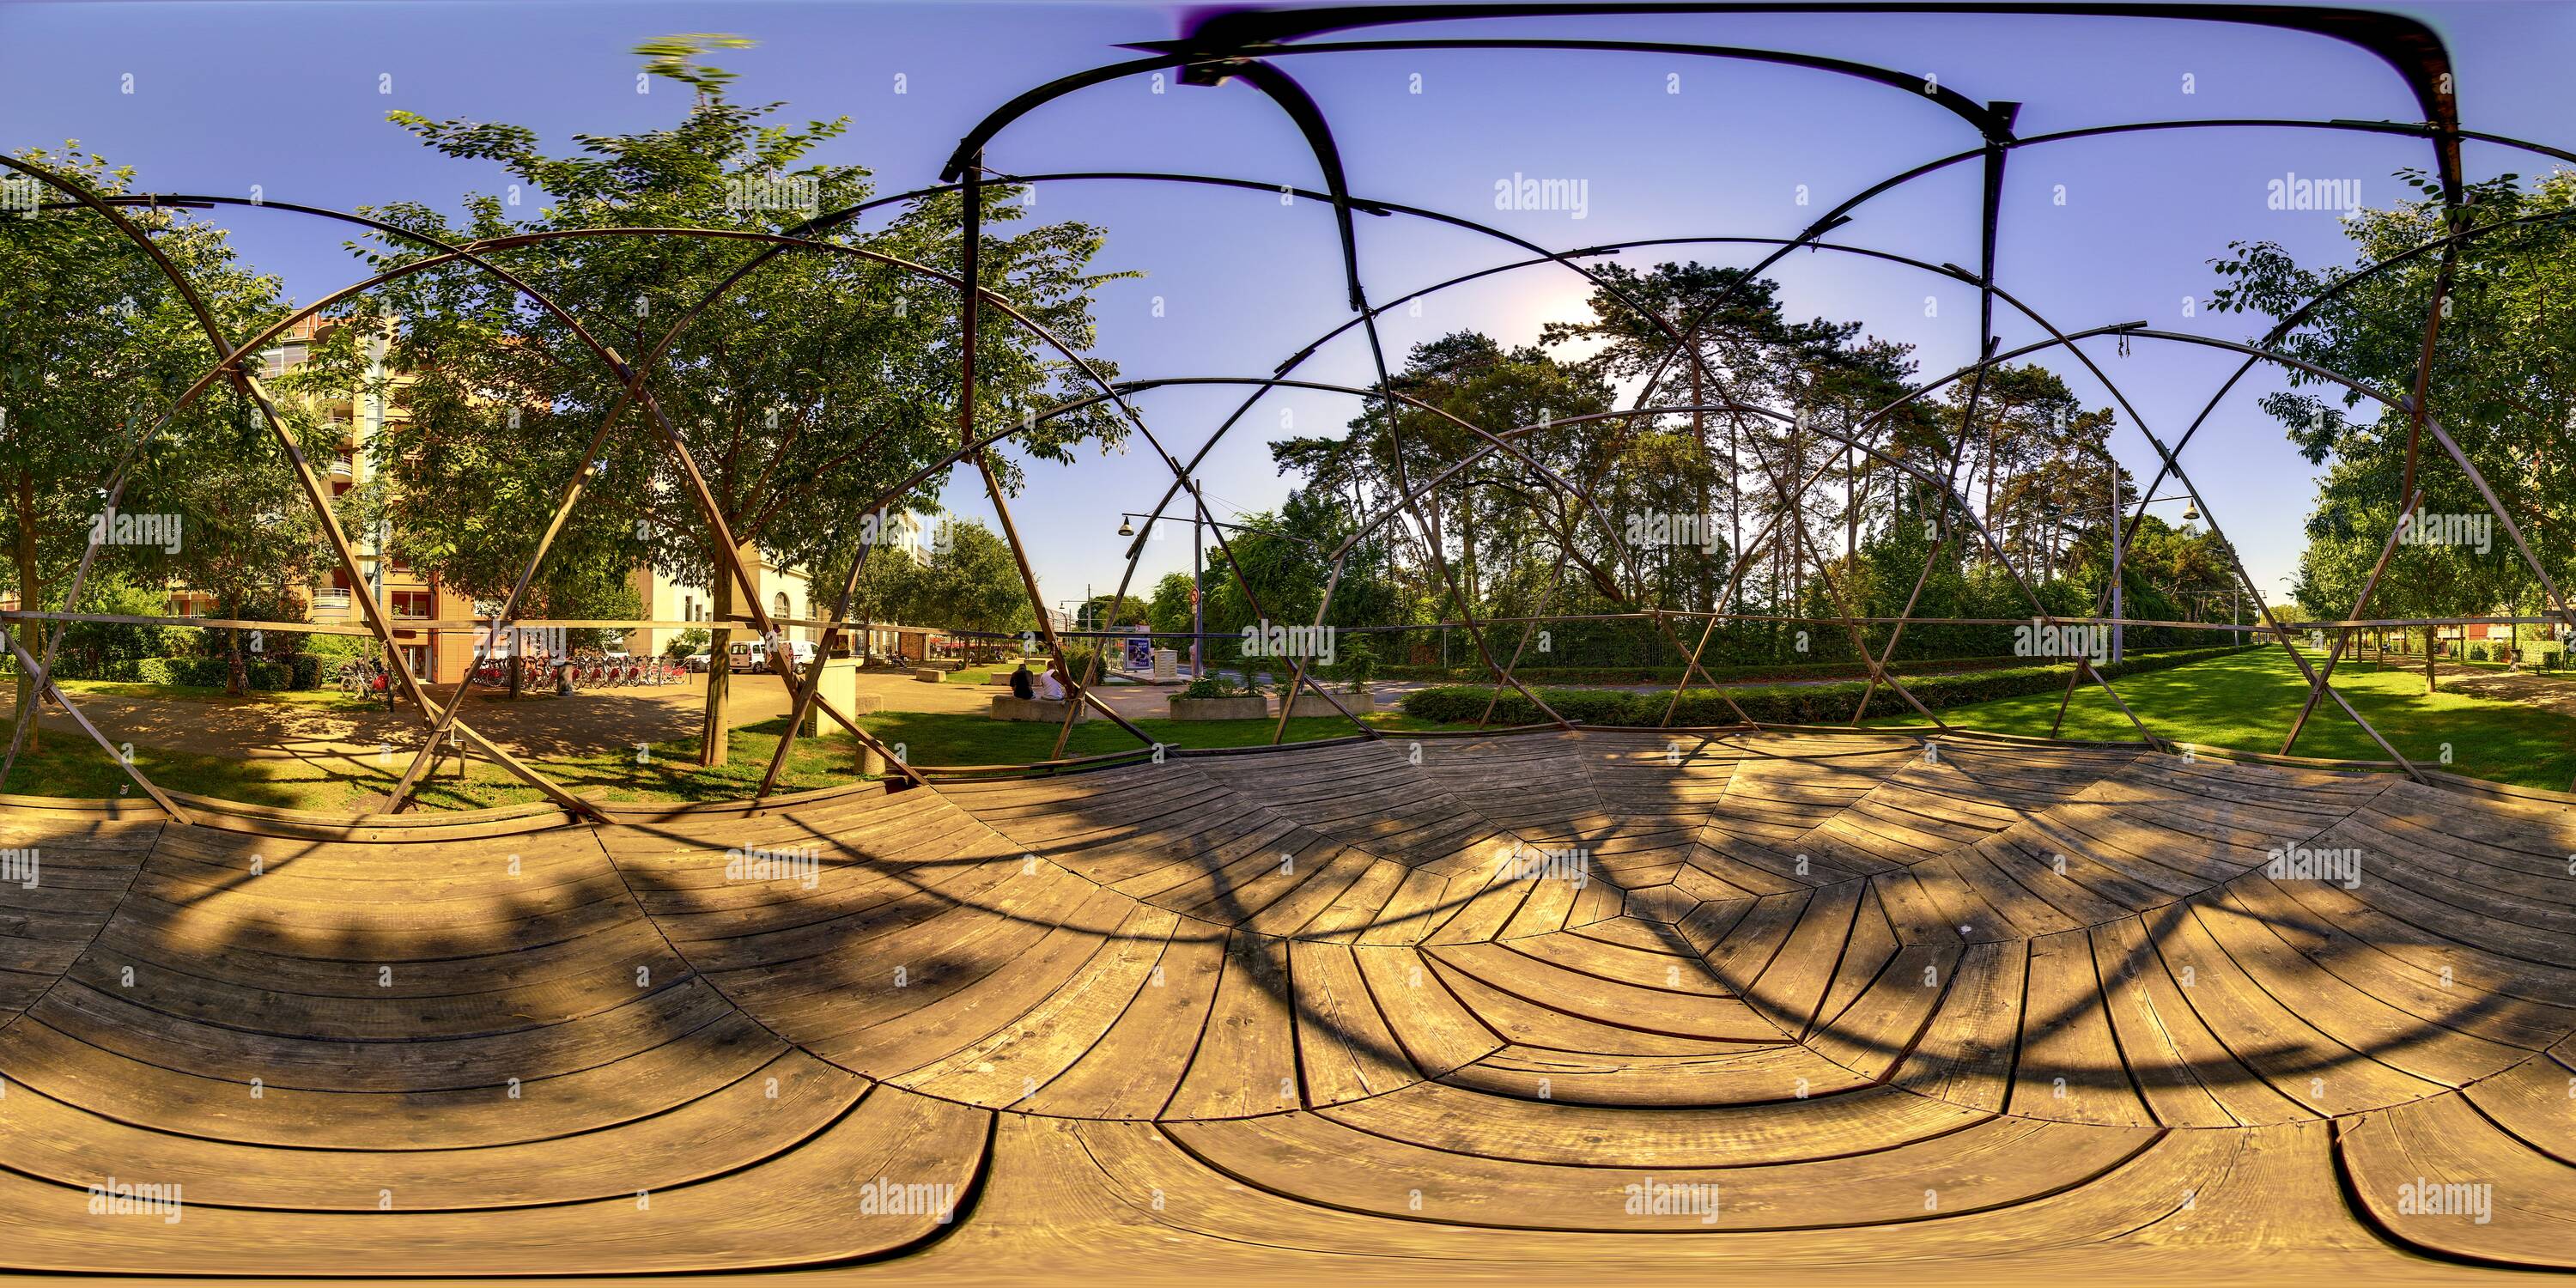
pixel 1022 685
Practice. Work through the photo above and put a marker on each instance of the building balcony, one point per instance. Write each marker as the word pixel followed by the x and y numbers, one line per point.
pixel 338 599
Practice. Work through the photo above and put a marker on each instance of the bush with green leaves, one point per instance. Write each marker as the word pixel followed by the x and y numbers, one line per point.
pixel 1359 665
pixel 1211 685
pixel 686 643
pixel 338 648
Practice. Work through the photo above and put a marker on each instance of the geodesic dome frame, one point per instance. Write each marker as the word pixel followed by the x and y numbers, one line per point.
pixel 1248 46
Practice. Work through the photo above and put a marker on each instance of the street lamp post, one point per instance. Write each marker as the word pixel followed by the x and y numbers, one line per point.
pixel 2119 550
pixel 1198 600
pixel 2119 546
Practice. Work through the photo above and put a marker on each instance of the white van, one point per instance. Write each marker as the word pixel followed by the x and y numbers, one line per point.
pixel 753 654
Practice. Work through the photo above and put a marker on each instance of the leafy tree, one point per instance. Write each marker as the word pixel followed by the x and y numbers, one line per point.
pixel 1168 612
pixel 248 535
pixel 809 386
pixel 971 583
pixel 2502 383
pixel 96 345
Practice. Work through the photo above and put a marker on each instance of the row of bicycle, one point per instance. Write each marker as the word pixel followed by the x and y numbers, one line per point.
pixel 582 671
pixel 366 677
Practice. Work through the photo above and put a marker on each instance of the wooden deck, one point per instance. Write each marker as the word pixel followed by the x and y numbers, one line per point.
pixel 1794 1005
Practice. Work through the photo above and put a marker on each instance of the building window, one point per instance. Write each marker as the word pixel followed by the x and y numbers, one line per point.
pixel 688 608
pixel 411 603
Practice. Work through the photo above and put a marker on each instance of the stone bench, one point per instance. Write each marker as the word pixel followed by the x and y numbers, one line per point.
pixel 927 674
pixel 1006 707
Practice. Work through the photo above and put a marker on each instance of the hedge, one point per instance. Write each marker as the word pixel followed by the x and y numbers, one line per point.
pixel 298 672
pixel 1776 704
pixel 1751 673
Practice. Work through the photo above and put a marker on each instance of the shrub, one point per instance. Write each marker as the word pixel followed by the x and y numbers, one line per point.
pixel 2477 652
pixel 160 670
pixel 1751 673
pixel 686 642
pixel 302 671
pixel 1209 686
pixel 1360 665
pixel 337 648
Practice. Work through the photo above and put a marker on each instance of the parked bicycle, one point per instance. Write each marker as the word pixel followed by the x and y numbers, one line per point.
pixel 362 677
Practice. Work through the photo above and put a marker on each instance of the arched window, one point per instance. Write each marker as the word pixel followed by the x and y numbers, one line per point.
pixel 780 609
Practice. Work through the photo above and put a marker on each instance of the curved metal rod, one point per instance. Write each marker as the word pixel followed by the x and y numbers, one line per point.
pixel 2299 315
pixel 1302 110
pixel 2409 47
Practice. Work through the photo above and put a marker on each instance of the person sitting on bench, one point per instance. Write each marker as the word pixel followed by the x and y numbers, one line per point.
pixel 1051 685
pixel 1023 685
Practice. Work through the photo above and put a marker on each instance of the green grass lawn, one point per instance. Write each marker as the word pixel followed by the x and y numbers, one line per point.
pixel 958 739
pixel 326 698
pixel 2246 702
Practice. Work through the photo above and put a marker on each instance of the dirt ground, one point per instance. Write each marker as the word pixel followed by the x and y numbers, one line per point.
pixel 540 725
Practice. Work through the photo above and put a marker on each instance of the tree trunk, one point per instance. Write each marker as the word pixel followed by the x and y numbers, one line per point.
pixel 1734 495
pixel 2431 642
pixel 1707 516
pixel 30 600
pixel 1467 532
pixel 235 680
pixel 712 739
pixel 1851 504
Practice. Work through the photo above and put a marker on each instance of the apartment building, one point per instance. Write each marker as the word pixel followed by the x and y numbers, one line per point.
pixel 442 656
pixel 785 593
pixel 446 655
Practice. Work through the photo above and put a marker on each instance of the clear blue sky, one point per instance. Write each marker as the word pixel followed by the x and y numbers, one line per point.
pixel 287 96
